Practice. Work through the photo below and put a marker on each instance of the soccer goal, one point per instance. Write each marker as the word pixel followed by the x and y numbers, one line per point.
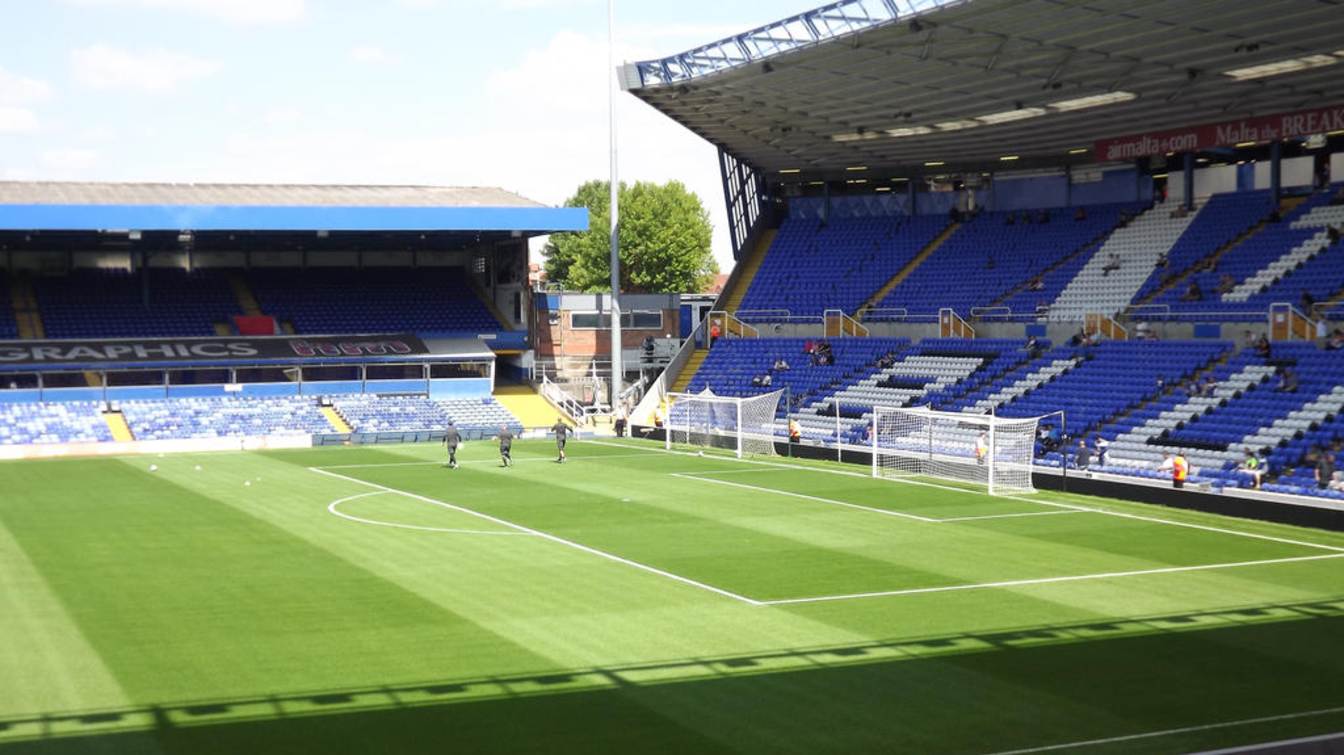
pixel 741 425
pixel 975 448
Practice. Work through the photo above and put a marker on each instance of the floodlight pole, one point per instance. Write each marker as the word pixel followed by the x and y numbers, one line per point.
pixel 616 371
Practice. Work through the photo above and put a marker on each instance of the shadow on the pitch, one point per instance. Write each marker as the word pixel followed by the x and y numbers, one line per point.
pixel 958 693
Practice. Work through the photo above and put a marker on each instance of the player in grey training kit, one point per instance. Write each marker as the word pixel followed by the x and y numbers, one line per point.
pixel 505 445
pixel 561 431
pixel 451 438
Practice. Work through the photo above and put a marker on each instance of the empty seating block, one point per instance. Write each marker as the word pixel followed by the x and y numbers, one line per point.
pixel 372 300
pixel 52 422
pixel 378 414
pixel 110 303
pixel 811 268
pixel 988 257
pixel 223 417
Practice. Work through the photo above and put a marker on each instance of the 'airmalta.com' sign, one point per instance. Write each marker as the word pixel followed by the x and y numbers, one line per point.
pixel 1266 128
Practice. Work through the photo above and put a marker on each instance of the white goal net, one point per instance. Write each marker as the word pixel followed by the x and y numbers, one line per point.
pixel 975 448
pixel 741 425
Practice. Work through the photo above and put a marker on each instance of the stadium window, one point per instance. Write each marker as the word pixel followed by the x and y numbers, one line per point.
pixel 198 377
pixel 261 375
pixel 457 370
pixel 330 374
pixel 637 320
pixel 586 321
pixel 478 266
pixel 395 372
pixel 135 377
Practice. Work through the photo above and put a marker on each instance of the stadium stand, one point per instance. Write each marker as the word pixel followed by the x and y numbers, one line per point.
pixel 213 417
pixel 49 422
pixel 812 267
pixel 372 300
pixel 9 328
pixel 1115 274
pixel 475 418
pixel 109 303
pixel 1222 219
pixel 994 253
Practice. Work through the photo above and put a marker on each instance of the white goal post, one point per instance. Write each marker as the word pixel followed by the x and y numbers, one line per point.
pixel 741 425
pixel 976 448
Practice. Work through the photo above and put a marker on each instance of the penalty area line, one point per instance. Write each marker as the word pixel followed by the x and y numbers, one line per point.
pixel 1036 500
pixel 547 536
pixel 1049 580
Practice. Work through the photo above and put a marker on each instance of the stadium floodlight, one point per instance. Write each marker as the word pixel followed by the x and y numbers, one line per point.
pixel 909 131
pixel 742 425
pixel 856 136
pixel 1278 67
pixel 1008 116
pixel 1095 100
pixel 975 448
pixel 964 123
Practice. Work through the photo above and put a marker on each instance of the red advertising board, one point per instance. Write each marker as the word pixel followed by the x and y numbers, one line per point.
pixel 1265 128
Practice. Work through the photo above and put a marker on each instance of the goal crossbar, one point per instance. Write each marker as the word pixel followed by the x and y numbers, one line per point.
pixel 980 449
pixel 743 425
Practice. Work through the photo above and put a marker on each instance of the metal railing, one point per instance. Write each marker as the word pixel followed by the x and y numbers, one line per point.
pixel 571 406
pixel 883 314
pixel 837 324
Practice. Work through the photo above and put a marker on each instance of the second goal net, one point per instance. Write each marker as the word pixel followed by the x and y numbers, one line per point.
pixel 975 448
pixel 741 425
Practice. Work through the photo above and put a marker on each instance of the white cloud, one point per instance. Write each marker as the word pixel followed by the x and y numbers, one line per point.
pixel 17 120
pixel 104 67
pixel 235 11
pixel 370 55
pixel 21 90
pixel 69 162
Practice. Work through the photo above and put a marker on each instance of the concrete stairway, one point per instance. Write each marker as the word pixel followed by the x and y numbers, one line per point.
pixel 749 267
pixel 910 267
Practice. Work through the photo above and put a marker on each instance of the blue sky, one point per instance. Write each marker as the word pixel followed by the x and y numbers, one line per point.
pixel 506 93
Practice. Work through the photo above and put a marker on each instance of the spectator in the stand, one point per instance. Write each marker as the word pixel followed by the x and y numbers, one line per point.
pixel 1193 292
pixel 1332 233
pixel 1226 283
pixel 1287 381
pixel 756 381
pixel 1079 338
pixel 1112 264
pixel 1251 465
pixel 1325 470
pixel 810 349
pixel 1080 214
pixel 1102 446
pixel 1162 262
pixel 1262 347
pixel 1033 347
pixel 1042 309
pixel 1210 387
pixel 1082 457
pixel 1037 284
pixel 1143 331
pixel 1336 340
pixel 1307 301
pixel 714 330
pixel 781 365
pixel 767 380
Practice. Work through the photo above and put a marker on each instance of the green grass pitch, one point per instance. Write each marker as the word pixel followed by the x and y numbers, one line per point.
pixel 632 600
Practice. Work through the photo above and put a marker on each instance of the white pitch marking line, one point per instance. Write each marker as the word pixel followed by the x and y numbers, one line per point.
pixel 547 536
pixel 804 496
pixel 478 461
pixel 1050 580
pixel 888 512
pixel 1169 732
pixel 1008 516
pixel 332 508
pixel 1279 746
pixel 1038 501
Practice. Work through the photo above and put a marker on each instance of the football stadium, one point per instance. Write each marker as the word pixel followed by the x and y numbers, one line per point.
pixel 1014 428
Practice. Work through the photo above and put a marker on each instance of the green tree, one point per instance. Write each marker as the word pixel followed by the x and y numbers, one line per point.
pixel 665 241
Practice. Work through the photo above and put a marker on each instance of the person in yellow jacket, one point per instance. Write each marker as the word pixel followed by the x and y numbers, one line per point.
pixel 1178 466
pixel 795 430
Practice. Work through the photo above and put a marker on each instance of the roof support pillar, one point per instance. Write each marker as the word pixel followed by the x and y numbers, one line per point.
pixel 1188 181
pixel 1276 172
pixel 910 194
pixel 1068 185
pixel 826 204
pixel 144 278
